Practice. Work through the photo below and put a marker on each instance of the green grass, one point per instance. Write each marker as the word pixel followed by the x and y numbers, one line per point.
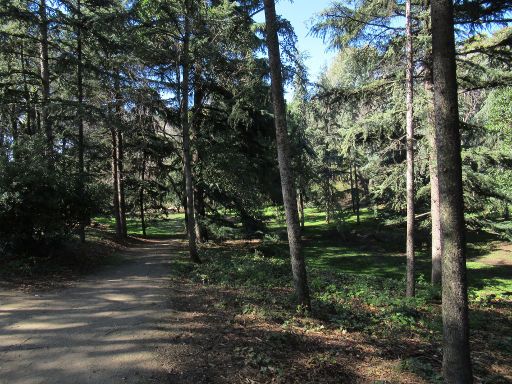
pixel 157 227
pixel 376 249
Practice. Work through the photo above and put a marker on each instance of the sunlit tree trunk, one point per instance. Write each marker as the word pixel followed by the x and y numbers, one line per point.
pixel 284 158
pixel 456 352
pixel 410 291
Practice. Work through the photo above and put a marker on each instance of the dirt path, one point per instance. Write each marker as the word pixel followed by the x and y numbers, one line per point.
pixel 111 327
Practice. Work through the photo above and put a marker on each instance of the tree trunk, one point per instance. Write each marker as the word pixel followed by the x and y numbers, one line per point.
pixel 436 277
pixel 327 193
pixel 434 186
pixel 45 77
pixel 81 173
pixel 200 214
pixel 456 352
pixel 199 207
pixel 187 158
pixel 356 192
pixel 141 194
pixel 301 207
pixel 284 159
pixel 410 291
pixel 120 176
pixel 120 159
pixel 28 126
pixel 115 184
pixel 352 190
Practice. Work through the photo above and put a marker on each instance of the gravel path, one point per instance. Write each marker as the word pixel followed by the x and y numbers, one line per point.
pixel 110 327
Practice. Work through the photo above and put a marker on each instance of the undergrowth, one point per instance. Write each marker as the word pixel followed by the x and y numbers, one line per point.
pixel 349 303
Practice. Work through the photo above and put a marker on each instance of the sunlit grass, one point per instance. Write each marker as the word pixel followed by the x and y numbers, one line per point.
pixel 172 225
pixel 373 248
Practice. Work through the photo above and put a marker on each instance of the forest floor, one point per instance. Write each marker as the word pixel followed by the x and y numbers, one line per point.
pixel 136 322
pixel 148 315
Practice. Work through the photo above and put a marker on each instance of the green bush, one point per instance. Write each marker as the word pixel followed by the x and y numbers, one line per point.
pixel 39 203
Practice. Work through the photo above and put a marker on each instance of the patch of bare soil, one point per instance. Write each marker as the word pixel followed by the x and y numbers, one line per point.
pixel 501 255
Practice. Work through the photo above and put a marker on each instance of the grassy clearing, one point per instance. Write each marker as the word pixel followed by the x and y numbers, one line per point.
pixel 168 226
pixel 376 249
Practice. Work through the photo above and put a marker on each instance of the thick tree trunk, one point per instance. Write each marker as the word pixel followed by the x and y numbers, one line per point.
pixel 81 170
pixel 45 77
pixel 187 158
pixel 456 352
pixel 411 285
pixel 284 159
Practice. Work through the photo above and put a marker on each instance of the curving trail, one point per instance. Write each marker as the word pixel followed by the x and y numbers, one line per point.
pixel 111 327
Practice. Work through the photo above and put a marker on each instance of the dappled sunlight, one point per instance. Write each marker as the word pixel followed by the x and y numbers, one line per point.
pixel 106 329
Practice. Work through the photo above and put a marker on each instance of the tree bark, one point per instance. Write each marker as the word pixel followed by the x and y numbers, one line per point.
pixel 352 190
pixel 200 214
pixel 456 351
pixel 115 185
pixel 45 77
pixel 120 158
pixel 356 193
pixel 187 158
pixel 436 276
pixel 301 207
pixel 141 194
pixel 28 126
pixel 434 185
pixel 411 285
pixel 81 171
pixel 284 159
pixel 199 206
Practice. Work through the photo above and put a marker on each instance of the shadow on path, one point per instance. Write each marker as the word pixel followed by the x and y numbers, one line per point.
pixel 108 328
